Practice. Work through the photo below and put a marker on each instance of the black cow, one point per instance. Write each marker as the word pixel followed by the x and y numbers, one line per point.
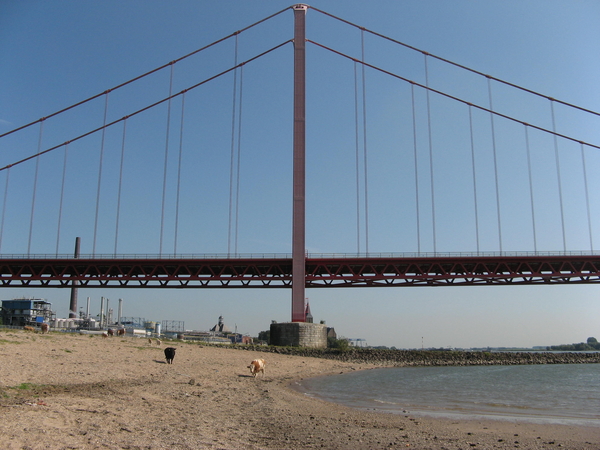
pixel 170 354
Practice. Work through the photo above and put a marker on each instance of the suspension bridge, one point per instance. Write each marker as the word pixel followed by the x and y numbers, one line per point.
pixel 440 184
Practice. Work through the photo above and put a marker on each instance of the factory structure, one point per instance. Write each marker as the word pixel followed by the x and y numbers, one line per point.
pixel 35 311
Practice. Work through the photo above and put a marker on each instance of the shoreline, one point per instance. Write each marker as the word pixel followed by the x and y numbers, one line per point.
pixel 342 392
pixel 62 391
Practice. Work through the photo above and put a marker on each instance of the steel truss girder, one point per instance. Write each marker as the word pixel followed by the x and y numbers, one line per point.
pixel 453 271
pixel 320 272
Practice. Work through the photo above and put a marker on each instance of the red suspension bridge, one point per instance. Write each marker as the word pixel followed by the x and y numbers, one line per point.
pixel 512 166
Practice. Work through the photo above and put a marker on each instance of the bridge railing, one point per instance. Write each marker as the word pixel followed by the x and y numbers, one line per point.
pixel 242 256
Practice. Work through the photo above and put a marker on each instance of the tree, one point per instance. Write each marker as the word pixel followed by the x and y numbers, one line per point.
pixel 592 340
pixel 264 336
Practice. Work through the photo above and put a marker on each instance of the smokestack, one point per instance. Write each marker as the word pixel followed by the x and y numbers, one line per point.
pixel 101 312
pixel 120 311
pixel 73 302
pixel 107 321
pixel 87 311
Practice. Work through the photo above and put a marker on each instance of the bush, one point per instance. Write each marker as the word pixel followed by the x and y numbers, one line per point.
pixel 342 344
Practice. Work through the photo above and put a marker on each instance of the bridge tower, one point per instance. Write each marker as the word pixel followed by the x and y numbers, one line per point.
pixel 299 181
pixel 298 332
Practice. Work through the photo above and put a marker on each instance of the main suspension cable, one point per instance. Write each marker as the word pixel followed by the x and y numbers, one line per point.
pixel 457 65
pixel 146 108
pixel 235 33
pixel 452 97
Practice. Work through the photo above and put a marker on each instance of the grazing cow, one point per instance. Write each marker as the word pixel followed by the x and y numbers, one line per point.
pixel 149 341
pixel 111 332
pixel 170 354
pixel 258 365
pixel 28 328
pixel 104 334
pixel 158 342
pixel 45 328
pixel 121 332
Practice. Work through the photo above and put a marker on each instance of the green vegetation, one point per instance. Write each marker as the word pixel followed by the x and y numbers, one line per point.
pixel 342 344
pixel 265 336
pixel 591 344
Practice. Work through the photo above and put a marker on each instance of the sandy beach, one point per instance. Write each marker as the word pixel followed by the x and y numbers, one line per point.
pixel 71 391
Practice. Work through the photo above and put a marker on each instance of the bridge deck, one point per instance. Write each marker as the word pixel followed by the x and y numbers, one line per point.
pixel 276 272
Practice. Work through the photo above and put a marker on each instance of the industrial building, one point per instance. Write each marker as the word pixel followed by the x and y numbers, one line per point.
pixel 21 312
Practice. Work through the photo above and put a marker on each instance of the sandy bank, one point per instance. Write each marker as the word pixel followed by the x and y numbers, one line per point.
pixel 85 392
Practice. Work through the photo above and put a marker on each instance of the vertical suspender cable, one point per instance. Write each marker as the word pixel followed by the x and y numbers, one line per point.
pixel 164 190
pixel 100 172
pixel 62 196
pixel 560 195
pixel 120 186
pixel 587 197
pixel 495 166
pixel 531 187
pixel 430 159
pixel 365 168
pixel 4 206
pixel 474 177
pixel 232 158
pixel 35 180
pixel 179 174
pixel 239 157
pixel 414 124
pixel 357 159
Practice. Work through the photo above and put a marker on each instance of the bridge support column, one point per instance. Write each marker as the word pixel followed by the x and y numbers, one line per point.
pixel 298 221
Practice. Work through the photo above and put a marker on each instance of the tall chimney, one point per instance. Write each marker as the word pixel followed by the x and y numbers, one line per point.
pixel 75 283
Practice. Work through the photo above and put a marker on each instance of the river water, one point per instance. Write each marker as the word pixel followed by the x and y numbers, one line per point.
pixel 559 393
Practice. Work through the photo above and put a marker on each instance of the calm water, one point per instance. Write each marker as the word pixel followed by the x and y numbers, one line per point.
pixel 567 393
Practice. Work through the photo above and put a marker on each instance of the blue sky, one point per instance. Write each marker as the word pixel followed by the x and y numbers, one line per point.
pixel 58 53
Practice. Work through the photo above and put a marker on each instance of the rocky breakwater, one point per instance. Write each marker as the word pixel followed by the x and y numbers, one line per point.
pixel 402 358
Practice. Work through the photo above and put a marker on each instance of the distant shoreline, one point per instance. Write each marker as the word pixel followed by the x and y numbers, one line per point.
pixel 402 358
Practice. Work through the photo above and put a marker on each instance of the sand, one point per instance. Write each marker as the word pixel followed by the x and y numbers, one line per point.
pixel 71 391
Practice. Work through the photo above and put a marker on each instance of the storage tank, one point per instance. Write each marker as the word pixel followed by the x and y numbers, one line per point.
pixel 157 329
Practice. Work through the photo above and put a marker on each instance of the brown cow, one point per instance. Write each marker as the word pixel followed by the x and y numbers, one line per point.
pixel 258 365
pixel 121 332
pixel 111 332
pixel 28 328
pixel 45 328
